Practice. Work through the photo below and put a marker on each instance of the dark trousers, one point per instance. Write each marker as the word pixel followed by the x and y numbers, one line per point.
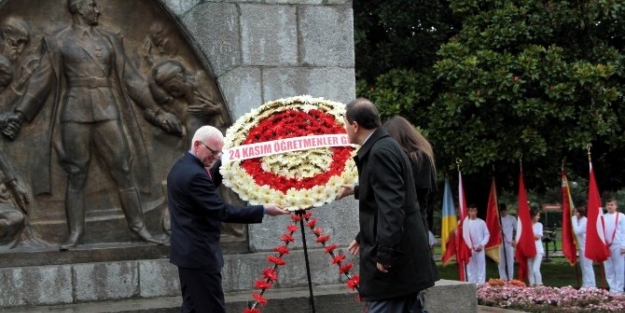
pixel 201 291
pixel 407 304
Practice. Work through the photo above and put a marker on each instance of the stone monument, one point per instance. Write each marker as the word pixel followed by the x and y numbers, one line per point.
pixel 98 99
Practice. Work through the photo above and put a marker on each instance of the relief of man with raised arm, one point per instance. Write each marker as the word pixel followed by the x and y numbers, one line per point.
pixel 85 69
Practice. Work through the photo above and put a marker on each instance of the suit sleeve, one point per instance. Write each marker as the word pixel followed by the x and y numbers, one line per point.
pixel 387 183
pixel 208 199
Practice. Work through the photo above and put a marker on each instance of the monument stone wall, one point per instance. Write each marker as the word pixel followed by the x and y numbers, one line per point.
pixel 237 54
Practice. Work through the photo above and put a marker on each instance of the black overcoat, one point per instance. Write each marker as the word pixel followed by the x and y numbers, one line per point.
pixel 391 226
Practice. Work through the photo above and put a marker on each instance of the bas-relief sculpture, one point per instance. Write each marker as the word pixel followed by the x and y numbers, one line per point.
pixel 94 112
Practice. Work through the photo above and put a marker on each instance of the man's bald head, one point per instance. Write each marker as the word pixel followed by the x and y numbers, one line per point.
pixel 363 112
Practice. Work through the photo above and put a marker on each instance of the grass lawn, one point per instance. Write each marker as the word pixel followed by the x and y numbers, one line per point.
pixel 556 272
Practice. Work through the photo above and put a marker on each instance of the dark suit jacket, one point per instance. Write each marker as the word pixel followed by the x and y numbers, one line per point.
pixel 196 211
pixel 391 227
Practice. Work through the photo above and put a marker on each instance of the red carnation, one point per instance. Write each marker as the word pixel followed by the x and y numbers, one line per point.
pixel 292 228
pixel 270 274
pixel 312 223
pixel 261 284
pixel 275 260
pixel 307 215
pixel 318 231
pixel 338 259
pixel 330 248
pixel 323 239
pixel 286 238
pixel 353 282
pixel 296 218
pixel 282 249
pixel 259 298
pixel 346 268
pixel 248 310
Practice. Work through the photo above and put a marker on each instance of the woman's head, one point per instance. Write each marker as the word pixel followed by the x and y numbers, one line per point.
pixel 409 138
pixel 580 209
pixel 535 215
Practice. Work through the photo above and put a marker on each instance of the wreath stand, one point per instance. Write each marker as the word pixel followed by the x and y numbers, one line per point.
pixel 311 300
pixel 270 274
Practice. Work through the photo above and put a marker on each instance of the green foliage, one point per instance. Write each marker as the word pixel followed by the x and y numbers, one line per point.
pixel 526 79
pixel 398 34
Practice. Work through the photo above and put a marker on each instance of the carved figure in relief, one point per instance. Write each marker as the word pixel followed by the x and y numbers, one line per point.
pixel 14 38
pixel 85 69
pixel 12 220
pixel 188 95
pixel 13 207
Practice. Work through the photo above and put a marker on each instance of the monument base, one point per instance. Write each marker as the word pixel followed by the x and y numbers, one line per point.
pixel 129 285
pixel 328 299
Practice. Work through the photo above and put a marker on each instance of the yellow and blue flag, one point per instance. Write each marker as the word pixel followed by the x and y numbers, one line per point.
pixel 449 219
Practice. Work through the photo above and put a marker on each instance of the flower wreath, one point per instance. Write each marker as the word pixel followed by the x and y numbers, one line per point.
pixel 292 152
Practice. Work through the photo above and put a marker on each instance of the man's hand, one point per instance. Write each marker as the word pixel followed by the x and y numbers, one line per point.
pixel 346 190
pixel 20 195
pixel 382 268
pixel 11 124
pixel 479 248
pixel 275 210
pixel 169 123
pixel 354 247
pixel 513 243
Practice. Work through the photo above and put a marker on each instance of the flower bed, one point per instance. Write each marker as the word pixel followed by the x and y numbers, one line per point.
pixel 548 299
pixel 272 157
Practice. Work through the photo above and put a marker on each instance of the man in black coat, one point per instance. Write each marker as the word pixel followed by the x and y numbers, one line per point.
pixel 392 242
pixel 196 211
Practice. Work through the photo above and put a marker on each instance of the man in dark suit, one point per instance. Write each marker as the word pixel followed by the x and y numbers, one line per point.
pixel 197 211
pixel 394 255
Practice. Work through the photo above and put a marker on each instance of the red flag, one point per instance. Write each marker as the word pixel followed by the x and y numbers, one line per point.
pixel 463 252
pixel 493 224
pixel 525 246
pixel 568 237
pixel 596 248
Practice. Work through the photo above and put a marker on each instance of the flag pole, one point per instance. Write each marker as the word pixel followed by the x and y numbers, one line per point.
pixel 579 260
pixel 458 234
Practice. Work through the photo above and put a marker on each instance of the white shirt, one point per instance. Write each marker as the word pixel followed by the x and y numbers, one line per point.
pixel 431 238
pixel 475 232
pixel 508 226
pixel 538 230
pixel 614 233
pixel 579 228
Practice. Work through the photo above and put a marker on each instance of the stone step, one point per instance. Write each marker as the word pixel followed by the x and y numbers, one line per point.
pixel 446 296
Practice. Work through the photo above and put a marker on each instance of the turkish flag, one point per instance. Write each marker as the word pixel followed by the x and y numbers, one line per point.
pixel 463 253
pixel 596 248
pixel 525 244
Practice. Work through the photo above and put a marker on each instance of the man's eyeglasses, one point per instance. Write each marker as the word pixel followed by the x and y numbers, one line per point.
pixel 213 151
